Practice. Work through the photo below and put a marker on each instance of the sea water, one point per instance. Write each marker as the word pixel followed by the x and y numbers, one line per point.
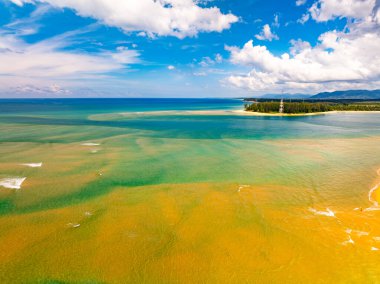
pixel 186 191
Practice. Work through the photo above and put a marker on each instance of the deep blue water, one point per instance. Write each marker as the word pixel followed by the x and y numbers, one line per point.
pixel 77 106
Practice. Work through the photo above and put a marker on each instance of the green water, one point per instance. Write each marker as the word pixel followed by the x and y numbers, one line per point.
pixel 147 162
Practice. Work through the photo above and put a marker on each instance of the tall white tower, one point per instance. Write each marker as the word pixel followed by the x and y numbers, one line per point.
pixel 281 110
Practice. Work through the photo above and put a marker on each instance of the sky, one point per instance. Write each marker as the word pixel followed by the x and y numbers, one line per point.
pixel 187 48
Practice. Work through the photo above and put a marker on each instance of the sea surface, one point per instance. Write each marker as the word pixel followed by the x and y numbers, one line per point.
pixel 186 191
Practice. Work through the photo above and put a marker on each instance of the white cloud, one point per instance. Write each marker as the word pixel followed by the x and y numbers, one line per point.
pixel 266 34
pixel 36 68
pixel 339 60
pixel 180 18
pixel 324 10
pixel 346 59
pixel 301 2
pixel 171 67
pixel 304 18
pixel 276 22
pixel 31 90
pixel 45 59
pixel 298 46
pixel 208 61
pixel 218 58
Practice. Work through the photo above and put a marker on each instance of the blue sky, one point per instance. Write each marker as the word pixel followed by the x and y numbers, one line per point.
pixel 187 48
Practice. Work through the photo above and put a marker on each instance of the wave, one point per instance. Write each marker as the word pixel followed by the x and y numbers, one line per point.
pixel 375 204
pixel 90 144
pixel 33 165
pixel 327 213
pixel 12 183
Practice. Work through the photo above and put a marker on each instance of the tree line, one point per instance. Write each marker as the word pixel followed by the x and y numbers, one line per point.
pixel 309 107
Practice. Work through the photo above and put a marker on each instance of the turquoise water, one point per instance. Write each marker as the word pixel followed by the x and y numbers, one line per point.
pixel 165 186
pixel 174 148
pixel 78 112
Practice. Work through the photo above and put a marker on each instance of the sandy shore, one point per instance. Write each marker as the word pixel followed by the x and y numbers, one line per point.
pixel 211 112
pixel 243 112
pixel 116 116
pixel 251 113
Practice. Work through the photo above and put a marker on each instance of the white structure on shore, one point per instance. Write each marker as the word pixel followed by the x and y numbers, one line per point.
pixel 281 110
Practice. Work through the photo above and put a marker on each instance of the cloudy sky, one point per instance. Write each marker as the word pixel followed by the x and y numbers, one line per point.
pixel 187 48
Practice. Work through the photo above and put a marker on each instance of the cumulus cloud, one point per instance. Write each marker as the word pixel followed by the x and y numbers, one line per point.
pixel 180 18
pixel 266 34
pixel 340 60
pixel 324 10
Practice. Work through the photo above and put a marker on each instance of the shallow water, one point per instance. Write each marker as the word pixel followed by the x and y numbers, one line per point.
pixel 125 194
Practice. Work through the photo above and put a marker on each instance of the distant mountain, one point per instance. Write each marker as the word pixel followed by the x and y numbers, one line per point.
pixel 350 94
pixel 285 96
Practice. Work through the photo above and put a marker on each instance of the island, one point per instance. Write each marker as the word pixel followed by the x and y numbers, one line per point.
pixel 276 106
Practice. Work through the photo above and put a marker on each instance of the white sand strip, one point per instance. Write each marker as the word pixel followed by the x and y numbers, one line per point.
pixel 90 144
pixel 13 183
pixel 33 165
pixel 327 213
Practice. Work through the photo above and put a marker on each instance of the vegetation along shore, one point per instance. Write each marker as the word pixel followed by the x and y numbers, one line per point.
pixel 309 106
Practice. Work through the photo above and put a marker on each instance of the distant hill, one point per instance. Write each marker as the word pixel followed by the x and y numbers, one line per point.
pixel 350 94
pixel 285 96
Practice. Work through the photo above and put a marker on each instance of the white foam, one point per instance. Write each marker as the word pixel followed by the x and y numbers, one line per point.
pixel 372 209
pixel 377 239
pixel 327 213
pixel 370 195
pixel 90 144
pixel 374 249
pixel 348 231
pixel 349 241
pixel 360 233
pixel 73 225
pixel 13 183
pixel 33 165
pixel 242 186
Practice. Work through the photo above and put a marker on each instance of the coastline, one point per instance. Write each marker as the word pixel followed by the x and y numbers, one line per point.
pixel 239 112
pixel 251 113
pixel 304 114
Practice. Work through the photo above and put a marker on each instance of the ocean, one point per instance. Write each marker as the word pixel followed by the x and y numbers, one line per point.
pixel 185 191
